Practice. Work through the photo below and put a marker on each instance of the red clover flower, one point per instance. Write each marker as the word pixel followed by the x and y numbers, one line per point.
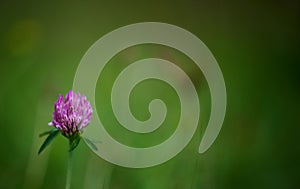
pixel 71 114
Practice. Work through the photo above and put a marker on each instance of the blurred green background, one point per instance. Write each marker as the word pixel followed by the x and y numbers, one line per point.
pixel 256 44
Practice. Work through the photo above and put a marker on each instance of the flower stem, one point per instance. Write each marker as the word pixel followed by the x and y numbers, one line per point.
pixel 69 171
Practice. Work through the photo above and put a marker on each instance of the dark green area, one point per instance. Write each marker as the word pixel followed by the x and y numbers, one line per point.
pixel 143 94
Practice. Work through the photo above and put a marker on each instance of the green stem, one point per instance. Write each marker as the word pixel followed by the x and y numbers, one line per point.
pixel 69 171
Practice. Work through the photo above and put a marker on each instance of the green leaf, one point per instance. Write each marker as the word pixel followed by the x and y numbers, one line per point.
pixel 91 143
pixel 74 143
pixel 48 140
pixel 48 132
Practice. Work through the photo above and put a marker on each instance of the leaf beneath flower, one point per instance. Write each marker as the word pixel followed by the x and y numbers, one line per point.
pixel 91 143
pixel 48 132
pixel 74 143
pixel 48 140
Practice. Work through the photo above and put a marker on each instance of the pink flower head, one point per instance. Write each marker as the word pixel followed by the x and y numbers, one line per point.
pixel 71 114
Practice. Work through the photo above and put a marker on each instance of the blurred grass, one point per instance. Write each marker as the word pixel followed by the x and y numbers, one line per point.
pixel 256 44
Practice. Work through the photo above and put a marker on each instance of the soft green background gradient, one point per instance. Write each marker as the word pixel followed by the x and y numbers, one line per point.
pixel 256 44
